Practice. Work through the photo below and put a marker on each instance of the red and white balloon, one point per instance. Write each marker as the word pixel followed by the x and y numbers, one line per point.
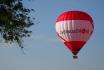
pixel 74 28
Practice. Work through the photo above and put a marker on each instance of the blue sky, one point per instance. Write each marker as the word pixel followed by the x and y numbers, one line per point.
pixel 44 51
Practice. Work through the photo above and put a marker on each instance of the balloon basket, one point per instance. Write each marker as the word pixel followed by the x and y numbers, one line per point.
pixel 75 57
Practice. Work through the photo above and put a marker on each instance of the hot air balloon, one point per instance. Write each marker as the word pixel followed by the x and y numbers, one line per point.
pixel 74 28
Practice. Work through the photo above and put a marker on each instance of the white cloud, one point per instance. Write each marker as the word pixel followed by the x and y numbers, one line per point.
pixel 44 38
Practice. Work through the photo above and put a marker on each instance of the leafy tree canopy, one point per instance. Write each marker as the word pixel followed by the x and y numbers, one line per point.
pixel 14 21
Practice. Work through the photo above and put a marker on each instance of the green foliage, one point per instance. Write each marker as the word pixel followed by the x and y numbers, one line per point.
pixel 14 21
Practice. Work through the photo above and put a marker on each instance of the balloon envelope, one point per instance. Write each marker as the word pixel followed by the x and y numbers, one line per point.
pixel 74 28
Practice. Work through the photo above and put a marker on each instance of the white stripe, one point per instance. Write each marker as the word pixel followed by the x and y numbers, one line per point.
pixel 73 25
pixel 65 28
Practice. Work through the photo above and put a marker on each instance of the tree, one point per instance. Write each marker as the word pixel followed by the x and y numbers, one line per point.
pixel 14 21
